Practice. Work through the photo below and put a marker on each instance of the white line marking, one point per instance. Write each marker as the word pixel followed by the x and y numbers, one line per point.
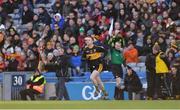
pixel 89 109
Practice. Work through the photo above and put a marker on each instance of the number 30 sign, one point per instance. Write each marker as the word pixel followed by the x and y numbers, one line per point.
pixel 18 80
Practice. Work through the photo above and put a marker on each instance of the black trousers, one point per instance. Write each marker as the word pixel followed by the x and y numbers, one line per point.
pixel 162 85
pixel 61 91
pixel 151 80
pixel 28 92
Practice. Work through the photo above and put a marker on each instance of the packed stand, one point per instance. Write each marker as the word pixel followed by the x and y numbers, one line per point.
pixel 37 33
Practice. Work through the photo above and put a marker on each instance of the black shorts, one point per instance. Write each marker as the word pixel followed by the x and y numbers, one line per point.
pixel 96 65
pixel 117 70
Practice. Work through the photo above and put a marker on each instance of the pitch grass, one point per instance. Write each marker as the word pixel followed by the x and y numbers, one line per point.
pixel 173 104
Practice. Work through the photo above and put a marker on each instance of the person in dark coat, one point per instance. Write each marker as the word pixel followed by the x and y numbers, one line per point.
pixel 175 82
pixel 44 17
pixel 8 6
pixel 12 64
pixel 27 15
pixel 62 75
pixel 132 83
pixel 151 74
pixel 57 7
pixel 111 12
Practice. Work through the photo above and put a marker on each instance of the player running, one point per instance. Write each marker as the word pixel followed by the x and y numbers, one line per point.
pixel 94 56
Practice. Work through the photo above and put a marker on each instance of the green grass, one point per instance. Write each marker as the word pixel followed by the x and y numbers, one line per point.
pixel 90 104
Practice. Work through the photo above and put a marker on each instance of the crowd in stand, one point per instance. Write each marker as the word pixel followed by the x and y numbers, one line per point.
pixel 133 25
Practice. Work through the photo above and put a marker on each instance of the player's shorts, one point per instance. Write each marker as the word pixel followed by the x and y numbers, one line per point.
pixel 117 70
pixel 96 65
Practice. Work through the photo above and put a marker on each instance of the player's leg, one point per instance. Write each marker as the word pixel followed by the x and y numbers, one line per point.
pixel 99 81
pixel 117 89
pixel 101 85
pixel 118 81
pixel 93 79
pixel 118 75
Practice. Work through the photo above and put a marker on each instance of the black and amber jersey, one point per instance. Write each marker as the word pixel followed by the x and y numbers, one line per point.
pixel 94 53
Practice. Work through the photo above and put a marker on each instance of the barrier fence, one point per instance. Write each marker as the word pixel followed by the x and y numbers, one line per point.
pixel 11 83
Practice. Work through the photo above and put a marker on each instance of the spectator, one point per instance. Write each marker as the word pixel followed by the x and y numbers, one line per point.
pixel 67 8
pixel 32 62
pixel 2 40
pixel 84 6
pixel 72 42
pixel 44 17
pixel 71 28
pixel 75 61
pixel 93 27
pixel 132 83
pixel 57 7
pixel 21 58
pixel 12 63
pixel 2 64
pixel 58 19
pixel 25 3
pixel 3 15
pixel 35 36
pixel 174 13
pixel 81 37
pixel 162 44
pixel 130 54
pixel 57 31
pixel 62 75
pixel 140 42
pixel 29 28
pixel 27 15
pixel 65 42
pixel 50 65
pixel 49 48
pixel 46 33
pixel 147 46
pixel 175 75
pixel 171 57
pixel 110 12
pixel 151 74
pixel 122 16
pixel 36 22
pixel 8 6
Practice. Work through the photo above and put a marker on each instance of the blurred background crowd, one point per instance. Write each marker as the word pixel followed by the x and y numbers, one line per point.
pixel 58 27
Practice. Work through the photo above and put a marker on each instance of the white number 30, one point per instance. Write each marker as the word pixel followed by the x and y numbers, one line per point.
pixel 17 80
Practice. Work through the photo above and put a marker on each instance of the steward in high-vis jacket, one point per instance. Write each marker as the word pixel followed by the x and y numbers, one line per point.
pixel 162 74
pixel 35 86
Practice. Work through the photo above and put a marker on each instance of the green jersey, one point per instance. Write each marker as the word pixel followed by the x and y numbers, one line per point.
pixel 116 56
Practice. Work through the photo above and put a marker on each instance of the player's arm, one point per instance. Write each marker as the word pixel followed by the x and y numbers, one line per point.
pixel 102 49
